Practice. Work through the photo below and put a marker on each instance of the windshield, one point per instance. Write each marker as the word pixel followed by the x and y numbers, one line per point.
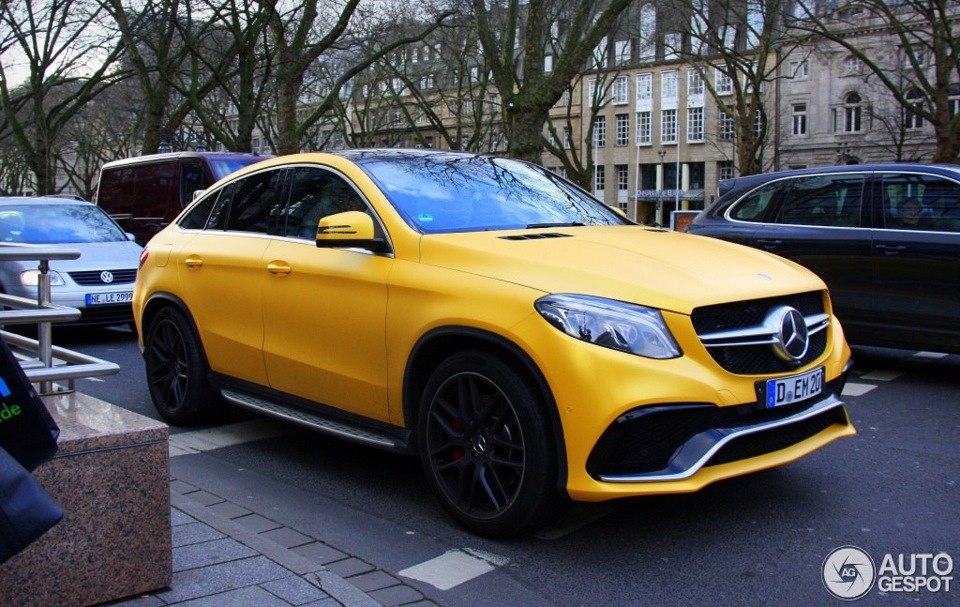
pixel 460 192
pixel 57 224
pixel 222 167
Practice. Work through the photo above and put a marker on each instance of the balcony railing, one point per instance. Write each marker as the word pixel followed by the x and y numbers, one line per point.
pixel 42 362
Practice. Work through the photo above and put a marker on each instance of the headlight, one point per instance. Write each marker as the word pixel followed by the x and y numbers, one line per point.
pixel 31 278
pixel 613 324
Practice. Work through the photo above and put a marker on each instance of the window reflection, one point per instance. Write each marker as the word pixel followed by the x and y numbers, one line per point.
pixel 452 193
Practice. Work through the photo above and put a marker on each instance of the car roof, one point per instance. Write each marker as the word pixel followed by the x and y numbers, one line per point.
pixel 41 200
pixel 166 157
pixel 726 185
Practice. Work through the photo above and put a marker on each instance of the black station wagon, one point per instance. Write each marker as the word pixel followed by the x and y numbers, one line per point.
pixel 885 239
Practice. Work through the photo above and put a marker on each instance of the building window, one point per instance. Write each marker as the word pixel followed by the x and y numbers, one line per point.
pixel 548 64
pixel 852 114
pixel 599 131
pixel 672 46
pixel 799 118
pixel 622 50
pixel 800 69
pixel 954 99
pixel 426 81
pixel 668 126
pixel 695 124
pixel 726 126
pixel 644 87
pixel 725 169
pixel 648 32
pixel 668 85
pixel 852 65
pixel 694 84
pixel 567 142
pixel 724 83
pixel 644 128
pixel 623 129
pixel 619 91
pixel 623 178
pixel 911 119
pixel 599 178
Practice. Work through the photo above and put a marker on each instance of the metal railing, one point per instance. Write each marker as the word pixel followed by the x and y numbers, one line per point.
pixel 42 362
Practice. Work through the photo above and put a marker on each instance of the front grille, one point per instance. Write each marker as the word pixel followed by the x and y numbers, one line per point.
pixel 92 277
pixel 753 358
pixel 775 439
pixel 647 440
pixel 105 315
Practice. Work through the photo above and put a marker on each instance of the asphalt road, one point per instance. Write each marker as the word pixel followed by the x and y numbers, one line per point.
pixel 757 540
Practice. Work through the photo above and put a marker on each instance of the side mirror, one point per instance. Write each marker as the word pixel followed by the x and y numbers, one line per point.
pixel 351 229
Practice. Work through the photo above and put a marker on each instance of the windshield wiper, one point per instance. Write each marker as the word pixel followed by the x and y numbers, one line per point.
pixel 557 224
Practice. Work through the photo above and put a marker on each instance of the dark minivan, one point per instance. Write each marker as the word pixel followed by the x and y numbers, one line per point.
pixel 145 193
pixel 885 239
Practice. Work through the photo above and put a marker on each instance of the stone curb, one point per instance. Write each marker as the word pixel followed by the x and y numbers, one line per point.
pixel 331 583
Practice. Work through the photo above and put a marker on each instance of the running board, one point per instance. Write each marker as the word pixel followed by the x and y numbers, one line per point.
pixel 314 421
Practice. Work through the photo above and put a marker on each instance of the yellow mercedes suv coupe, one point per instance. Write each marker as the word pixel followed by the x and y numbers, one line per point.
pixel 527 342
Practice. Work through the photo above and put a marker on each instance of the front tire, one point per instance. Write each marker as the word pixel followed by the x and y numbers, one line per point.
pixel 177 371
pixel 486 446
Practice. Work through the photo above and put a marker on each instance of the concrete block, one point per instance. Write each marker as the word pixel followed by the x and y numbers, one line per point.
pixel 111 476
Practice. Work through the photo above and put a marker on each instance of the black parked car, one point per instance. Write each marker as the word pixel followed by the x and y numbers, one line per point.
pixel 885 239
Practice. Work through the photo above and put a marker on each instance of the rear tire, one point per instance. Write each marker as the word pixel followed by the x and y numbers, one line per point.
pixel 177 371
pixel 486 446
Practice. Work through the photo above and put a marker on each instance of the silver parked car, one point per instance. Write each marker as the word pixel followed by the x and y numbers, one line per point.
pixel 99 283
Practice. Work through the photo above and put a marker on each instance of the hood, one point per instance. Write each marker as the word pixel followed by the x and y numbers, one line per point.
pixel 97 256
pixel 659 268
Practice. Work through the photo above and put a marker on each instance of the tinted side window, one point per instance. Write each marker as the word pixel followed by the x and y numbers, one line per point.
pixel 191 180
pixel 920 202
pixel 154 183
pixel 753 207
pixel 822 200
pixel 255 205
pixel 314 194
pixel 197 217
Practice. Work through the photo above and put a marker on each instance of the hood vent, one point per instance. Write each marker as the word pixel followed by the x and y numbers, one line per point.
pixel 536 236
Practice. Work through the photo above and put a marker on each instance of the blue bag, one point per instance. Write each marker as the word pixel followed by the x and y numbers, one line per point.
pixel 27 431
pixel 26 510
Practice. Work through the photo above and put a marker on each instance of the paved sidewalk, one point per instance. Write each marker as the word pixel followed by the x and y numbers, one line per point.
pixel 225 555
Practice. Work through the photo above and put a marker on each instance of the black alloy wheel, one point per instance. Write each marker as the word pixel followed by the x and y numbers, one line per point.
pixel 486 446
pixel 177 371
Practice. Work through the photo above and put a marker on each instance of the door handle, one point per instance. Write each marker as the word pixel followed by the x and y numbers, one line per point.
pixel 769 244
pixel 280 268
pixel 891 249
pixel 193 261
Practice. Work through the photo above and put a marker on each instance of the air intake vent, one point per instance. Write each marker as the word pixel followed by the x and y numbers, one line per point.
pixel 536 236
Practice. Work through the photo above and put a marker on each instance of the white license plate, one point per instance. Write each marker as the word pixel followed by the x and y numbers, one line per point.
pixel 786 390
pixel 95 299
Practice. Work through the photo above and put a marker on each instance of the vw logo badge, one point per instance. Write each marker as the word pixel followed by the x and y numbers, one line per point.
pixel 106 276
pixel 791 337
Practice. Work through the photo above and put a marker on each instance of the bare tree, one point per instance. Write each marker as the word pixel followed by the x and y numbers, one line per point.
pixel 59 46
pixel 228 81
pixel 737 46
pixel 302 35
pixel 154 53
pixel 107 128
pixel 439 88
pixel 924 38
pixel 520 39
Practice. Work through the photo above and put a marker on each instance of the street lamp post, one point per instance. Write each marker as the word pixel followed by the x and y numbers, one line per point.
pixel 660 185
